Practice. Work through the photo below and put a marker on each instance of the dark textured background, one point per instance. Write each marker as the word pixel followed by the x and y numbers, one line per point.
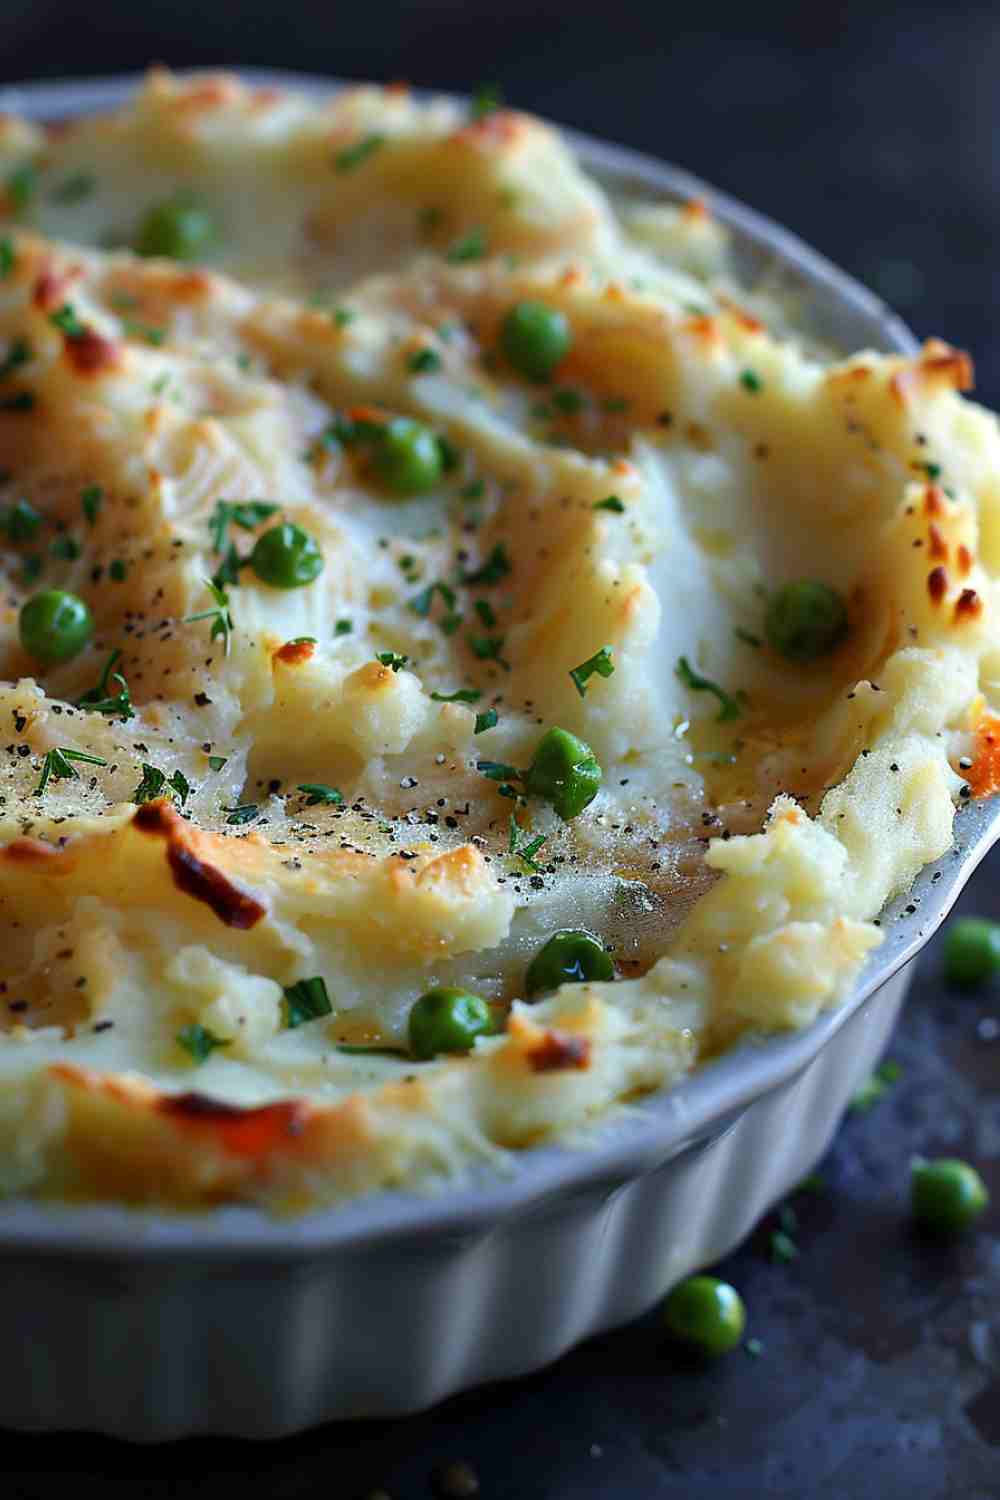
pixel 869 130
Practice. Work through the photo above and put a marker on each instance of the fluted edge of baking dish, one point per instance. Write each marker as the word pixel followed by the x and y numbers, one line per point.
pixel 159 1325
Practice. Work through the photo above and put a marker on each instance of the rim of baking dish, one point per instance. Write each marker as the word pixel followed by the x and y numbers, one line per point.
pixel 629 1141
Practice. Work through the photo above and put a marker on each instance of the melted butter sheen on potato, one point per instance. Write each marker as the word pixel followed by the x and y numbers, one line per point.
pixel 247 825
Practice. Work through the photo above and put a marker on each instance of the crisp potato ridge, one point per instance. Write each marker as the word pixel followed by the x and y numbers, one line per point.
pixel 363 258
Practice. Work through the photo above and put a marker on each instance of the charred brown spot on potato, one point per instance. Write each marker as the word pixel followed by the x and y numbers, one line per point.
pixel 294 653
pixel 90 353
pixel 968 605
pixel 937 584
pixel 938 546
pixel 194 876
pixel 241 1130
pixel 28 851
pixel 558 1050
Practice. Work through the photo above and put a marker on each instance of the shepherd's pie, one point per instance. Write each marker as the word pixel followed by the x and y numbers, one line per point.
pixel 467 663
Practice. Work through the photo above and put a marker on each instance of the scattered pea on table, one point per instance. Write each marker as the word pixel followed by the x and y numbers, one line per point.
pixel 706 1314
pixel 971 950
pixel 947 1195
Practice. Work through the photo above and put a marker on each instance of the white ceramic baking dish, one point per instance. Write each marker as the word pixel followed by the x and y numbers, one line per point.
pixel 150 1327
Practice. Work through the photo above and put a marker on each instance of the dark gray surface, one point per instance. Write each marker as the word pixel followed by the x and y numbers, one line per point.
pixel 871 131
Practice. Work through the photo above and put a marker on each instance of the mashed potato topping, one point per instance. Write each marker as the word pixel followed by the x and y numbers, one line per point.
pixel 462 561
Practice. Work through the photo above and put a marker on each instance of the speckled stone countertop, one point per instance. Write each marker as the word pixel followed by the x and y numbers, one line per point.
pixel 870 131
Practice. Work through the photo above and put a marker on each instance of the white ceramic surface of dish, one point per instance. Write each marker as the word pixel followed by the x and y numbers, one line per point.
pixel 152 1327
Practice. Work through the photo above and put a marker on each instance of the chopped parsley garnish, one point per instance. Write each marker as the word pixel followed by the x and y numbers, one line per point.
pixel 612 503
pixel 449 453
pixel 496 566
pixel 783 1248
pixel 22 184
pixel 471 246
pixel 343 627
pixel 318 795
pixel 350 430
pixel 342 316
pixel 32 569
pixel 222 620
pixel 875 1087
pixel 497 770
pixel 485 611
pixel 526 851
pixel 155 783
pixel 74 189
pixel 421 603
pixel 423 361
pixel 933 471
pixel 228 571
pixel 474 490
pixel 100 701
pixel 243 812
pixel 487 98
pixel 18 354
pixel 616 404
pixel 244 513
pixel 353 156
pixel 391 659
pixel 729 708
pixel 7 257
pixel 154 336
pixel 199 1041
pixel 118 570
pixel 751 381
pixel 66 547
pixel 23 401
pixel 56 766
pixel 600 663
pixel 306 1000
pixel 66 320
pixel 217 762
pixel 487 647
pixel 747 637
pixel 568 401
pixel 461 695
pixel 302 640
pixel 373 1051
pixel 21 521
pixel 485 721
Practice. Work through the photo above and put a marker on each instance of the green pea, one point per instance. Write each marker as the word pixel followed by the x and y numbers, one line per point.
pixel 55 626
pixel 971 950
pixel 179 228
pixel 447 1020
pixel 564 772
pixel 805 620
pixel 706 1314
pixel 408 457
pixel 946 1195
pixel 570 956
pixel 286 557
pixel 535 339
